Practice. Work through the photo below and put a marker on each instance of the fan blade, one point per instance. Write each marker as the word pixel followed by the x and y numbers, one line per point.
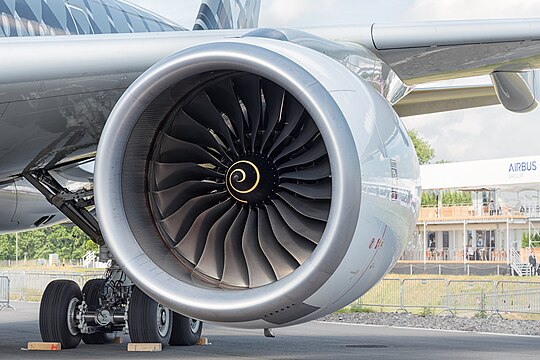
pixel 193 243
pixel 292 113
pixel 172 199
pixel 309 228
pixel 203 111
pixel 179 151
pixel 274 96
pixel 187 129
pixel 178 224
pixel 299 247
pixel 235 271
pixel 315 209
pixel 319 171
pixel 248 89
pixel 211 261
pixel 305 135
pixel 281 261
pixel 169 175
pixel 317 150
pixel 320 191
pixel 259 270
pixel 223 96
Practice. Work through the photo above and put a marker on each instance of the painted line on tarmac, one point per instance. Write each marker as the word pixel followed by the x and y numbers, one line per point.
pixel 428 329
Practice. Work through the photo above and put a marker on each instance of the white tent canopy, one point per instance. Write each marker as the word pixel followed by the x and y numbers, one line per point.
pixel 508 173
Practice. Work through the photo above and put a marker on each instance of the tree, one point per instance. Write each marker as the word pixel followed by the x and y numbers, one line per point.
pixel 424 151
pixel 535 240
pixel 68 241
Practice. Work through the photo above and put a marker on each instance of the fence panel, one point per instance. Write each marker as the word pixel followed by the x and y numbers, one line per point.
pixel 475 295
pixel 423 293
pixel 4 293
pixel 29 285
pixel 386 293
pixel 517 296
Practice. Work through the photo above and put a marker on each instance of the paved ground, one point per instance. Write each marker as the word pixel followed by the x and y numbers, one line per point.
pixel 309 341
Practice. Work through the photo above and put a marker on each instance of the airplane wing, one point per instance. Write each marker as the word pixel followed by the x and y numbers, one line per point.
pixel 433 51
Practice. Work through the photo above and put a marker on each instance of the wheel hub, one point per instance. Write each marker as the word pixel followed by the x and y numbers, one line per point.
pixel 71 316
pixel 162 320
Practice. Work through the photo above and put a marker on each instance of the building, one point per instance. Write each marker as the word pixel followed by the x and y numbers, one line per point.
pixel 478 212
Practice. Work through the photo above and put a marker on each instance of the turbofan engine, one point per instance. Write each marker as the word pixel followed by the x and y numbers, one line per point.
pixel 255 183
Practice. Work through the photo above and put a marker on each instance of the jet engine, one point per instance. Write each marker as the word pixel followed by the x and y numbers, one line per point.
pixel 255 183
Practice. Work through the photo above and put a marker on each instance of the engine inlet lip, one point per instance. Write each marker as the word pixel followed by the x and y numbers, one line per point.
pixel 229 55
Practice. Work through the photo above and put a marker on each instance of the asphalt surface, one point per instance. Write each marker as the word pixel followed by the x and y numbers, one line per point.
pixel 315 340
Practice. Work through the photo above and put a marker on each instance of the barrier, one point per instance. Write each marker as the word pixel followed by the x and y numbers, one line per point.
pixel 29 285
pixel 387 293
pixel 478 295
pixel 447 295
pixel 5 293
pixel 423 293
pixel 481 296
pixel 516 296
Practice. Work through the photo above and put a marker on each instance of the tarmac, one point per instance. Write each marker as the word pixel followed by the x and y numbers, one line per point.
pixel 314 340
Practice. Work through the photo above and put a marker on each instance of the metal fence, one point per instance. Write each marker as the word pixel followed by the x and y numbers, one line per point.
pixel 423 293
pixel 450 269
pixel 29 285
pixel 455 295
pixel 400 294
pixel 4 293
pixel 515 296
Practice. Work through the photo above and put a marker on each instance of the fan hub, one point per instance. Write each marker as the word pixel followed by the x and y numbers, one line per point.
pixel 252 180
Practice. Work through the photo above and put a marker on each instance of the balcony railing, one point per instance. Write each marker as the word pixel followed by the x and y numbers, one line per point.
pixel 465 212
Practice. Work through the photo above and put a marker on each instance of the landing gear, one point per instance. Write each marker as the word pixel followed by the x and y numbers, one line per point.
pixel 107 306
pixel 185 331
pixel 58 313
pixel 68 315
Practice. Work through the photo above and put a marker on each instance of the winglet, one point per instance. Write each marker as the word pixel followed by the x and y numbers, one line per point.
pixel 228 14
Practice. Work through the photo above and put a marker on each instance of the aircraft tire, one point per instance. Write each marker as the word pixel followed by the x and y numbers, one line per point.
pixel 149 322
pixel 185 331
pixel 92 291
pixel 57 313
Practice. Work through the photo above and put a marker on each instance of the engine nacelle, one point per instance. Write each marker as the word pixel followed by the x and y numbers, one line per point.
pixel 255 183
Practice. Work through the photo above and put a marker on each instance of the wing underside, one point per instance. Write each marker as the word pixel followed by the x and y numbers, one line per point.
pixel 434 100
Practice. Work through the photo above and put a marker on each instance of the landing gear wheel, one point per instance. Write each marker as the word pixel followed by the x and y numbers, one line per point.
pixel 185 331
pixel 149 322
pixel 92 292
pixel 57 321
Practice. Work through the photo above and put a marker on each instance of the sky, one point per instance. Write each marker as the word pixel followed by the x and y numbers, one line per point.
pixel 474 134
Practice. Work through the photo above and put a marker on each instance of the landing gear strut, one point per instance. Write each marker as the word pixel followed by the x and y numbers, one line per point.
pixel 107 306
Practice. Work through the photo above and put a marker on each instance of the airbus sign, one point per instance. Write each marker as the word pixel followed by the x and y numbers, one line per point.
pixel 523 166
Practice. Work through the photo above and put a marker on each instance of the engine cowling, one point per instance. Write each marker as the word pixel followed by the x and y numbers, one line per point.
pixel 255 183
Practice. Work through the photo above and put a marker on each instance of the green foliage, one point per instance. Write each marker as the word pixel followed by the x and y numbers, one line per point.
pixel 359 308
pixel 449 198
pixel 482 313
pixel 69 242
pixel 355 308
pixel 427 311
pixel 535 240
pixel 424 151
